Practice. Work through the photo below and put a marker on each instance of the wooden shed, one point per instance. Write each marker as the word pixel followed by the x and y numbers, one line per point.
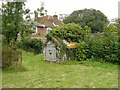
pixel 50 51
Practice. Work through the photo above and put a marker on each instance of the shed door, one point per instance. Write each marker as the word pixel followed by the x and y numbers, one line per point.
pixel 50 53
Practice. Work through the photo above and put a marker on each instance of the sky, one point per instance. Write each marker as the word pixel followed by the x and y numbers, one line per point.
pixel 108 7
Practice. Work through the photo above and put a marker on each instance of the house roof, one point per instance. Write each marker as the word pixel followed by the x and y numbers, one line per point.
pixel 35 23
pixel 49 21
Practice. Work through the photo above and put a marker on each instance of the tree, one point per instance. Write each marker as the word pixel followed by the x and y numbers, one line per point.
pixel 95 19
pixel 41 11
pixel 71 32
pixel 0 24
pixel 13 24
pixel 12 17
pixel 13 21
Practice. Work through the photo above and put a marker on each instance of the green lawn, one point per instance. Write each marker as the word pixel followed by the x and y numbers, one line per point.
pixel 41 74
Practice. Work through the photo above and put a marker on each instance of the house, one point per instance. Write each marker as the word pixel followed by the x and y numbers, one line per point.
pixel 43 25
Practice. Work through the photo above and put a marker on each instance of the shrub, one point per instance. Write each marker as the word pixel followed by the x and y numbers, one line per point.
pixel 100 46
pixel 9 56
pixel 31 45
pixel 81 52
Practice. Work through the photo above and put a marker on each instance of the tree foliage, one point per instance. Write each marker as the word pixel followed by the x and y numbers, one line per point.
pixel 13 25
pixel 102 46
pixel 12 20
pixel 95 19
pixel 41 10
pixel 71 32
pixel 31 45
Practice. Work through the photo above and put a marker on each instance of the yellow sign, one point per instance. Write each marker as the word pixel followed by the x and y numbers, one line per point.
pixel 72 45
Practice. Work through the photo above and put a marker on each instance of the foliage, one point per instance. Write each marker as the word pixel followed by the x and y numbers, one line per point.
pixel 94 46
pixel 26 26
pixel 0 24
pixel 10 57
pixel 32 45
pixel 69 32
pixel 95 19
pixel 100 46
pixel 13 24
pixel 41 9
pixel 81 52
pixel 12 20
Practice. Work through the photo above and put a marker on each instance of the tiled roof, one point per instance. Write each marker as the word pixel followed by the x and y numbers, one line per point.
pixel 50 21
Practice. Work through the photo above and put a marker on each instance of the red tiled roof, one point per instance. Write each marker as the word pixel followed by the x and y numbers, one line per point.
pixel 50 21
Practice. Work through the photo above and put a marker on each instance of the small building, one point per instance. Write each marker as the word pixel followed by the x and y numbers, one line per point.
pixel 50 51
pixel 52 54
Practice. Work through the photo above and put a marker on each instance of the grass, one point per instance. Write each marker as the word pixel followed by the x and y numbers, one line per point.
pixel 38 73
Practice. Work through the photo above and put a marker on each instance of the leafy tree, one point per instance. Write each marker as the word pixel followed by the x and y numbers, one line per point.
pixel 12 20
pixel 70 32
pixel 0 24
pixel 41 10
pixel 26 26
pixel 95 19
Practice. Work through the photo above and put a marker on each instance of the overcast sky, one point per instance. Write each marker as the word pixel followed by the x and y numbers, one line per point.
pixel 108 7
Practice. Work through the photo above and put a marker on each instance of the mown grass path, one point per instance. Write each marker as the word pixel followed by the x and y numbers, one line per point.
pixel 41 74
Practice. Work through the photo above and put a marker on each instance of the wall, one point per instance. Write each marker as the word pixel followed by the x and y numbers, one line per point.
pixel 41 33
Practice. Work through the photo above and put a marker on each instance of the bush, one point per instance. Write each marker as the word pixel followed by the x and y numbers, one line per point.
pixel 100 46
pixel 81 52
pixel 31 45
pixel 9 56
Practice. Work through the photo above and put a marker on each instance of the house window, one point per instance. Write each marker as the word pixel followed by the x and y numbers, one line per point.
pixel 35 29
pixel 49 29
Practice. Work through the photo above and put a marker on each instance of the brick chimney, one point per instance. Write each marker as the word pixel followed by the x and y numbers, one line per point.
pixel 55 17
pixel 35 16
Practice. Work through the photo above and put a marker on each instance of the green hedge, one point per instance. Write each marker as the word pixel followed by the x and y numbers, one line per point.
pixel 31 45
pixel 100 46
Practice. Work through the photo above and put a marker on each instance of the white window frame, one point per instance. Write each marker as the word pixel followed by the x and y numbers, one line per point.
pixel 48 29
pixel 35 29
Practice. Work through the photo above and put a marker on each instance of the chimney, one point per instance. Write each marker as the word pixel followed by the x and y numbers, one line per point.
pixel 55 17
pixel 35 15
